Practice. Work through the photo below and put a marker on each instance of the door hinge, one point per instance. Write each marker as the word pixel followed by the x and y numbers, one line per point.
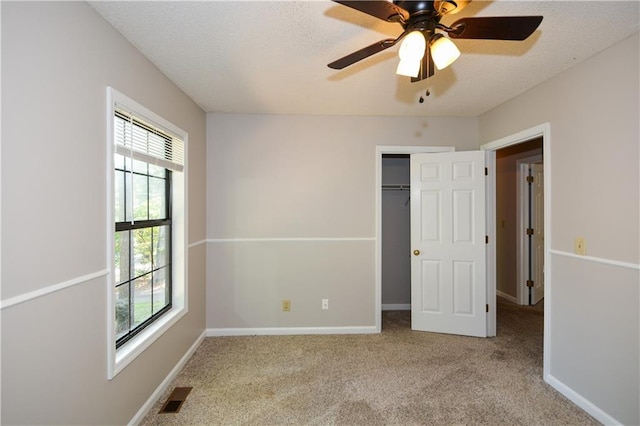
pixel 529 283
pixel 487 305
pixel 486 171
pixel 529 179
pixel 529 231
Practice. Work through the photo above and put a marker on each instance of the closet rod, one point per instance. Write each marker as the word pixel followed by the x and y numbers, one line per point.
pixel 401 187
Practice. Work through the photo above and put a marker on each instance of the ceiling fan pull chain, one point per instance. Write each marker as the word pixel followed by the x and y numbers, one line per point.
pixel 425 76
pixel 427 93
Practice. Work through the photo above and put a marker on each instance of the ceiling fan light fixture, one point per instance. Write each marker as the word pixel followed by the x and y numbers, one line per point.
pixel 411 53
pixel 443 51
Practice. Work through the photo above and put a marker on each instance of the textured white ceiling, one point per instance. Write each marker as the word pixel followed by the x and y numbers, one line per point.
pixel 272 56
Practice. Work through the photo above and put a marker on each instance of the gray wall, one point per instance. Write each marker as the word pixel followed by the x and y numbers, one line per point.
pixel 57 59
pixel 396 234
pixel 291 214
pixel 594 178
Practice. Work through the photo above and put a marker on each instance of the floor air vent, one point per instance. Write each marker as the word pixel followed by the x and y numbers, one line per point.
pixel 175 400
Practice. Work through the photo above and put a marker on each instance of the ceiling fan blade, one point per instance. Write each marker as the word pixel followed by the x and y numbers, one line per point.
pixel 426 68
pixel 359 55
pixel 381 9
pixel 495 28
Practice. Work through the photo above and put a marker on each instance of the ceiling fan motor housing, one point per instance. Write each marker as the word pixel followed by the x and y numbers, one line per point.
pixel 435 8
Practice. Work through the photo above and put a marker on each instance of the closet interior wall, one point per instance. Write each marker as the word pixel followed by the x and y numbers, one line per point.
pixel 396 233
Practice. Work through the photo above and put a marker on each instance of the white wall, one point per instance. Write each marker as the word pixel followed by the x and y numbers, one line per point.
pixel 57 59
pixel 309 183
pixel 594 158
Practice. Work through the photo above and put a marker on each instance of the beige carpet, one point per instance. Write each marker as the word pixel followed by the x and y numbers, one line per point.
pixel 396 377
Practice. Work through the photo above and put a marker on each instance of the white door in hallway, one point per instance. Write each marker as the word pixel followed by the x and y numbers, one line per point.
pixel 537 238
pixel 448 259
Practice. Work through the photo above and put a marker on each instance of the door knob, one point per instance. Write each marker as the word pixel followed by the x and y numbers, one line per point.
pixel 416 252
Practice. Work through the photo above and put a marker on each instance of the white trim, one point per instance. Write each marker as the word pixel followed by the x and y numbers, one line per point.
pixel 523 136
pixel 292 239
pixel 581 401
pixel 596 259
pixel 509 297
pixel 109 226
pixel 380 150
pixel 396 306
pixel 289 331
pixel 26 297
pixel 490 229
pixel 142 412
pixel 133 348
pixel 544 131
pixel 196 244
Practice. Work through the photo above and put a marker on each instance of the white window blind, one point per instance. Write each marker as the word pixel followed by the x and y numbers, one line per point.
pixel 142 140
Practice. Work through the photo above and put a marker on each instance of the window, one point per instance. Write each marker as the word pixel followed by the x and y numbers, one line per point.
pixel 147 229
pixel 142 242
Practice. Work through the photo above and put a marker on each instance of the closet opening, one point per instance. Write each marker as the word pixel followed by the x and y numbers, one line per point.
pixel 396 241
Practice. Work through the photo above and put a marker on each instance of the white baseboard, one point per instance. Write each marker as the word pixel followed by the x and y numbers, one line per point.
pixel 163 386
pixel 581 401
pixel 509 297
pixel 288 331
pixel 396 306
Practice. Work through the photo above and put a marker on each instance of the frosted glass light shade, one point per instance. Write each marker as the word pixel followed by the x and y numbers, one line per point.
pixel 443 51
pixel 408 68
pixel 411 53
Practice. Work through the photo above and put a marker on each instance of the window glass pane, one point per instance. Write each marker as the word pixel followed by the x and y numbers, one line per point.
pixel 140 198
pixel 141 299
pixel 118 161
pixel 142 249
pixel 122 310
pixel 128 183
pixel 157 196
pixel 160 246
pixel 127 162
pixel 119 201
pixel 121 256
pixel 160 289
pixel 157 171
pixel 140 167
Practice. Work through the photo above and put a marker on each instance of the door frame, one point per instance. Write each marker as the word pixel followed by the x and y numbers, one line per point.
pixel 522 248
pixel 544 131
pixel 380 150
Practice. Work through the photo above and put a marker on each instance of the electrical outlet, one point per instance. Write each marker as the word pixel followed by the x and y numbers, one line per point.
pixel 325 303
pixel 286 305
pixel 579 246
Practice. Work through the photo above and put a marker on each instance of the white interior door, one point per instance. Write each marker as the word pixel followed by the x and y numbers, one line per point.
pixel 537 239
pixel 448 280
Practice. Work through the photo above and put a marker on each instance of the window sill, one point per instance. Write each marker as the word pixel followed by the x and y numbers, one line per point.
pixel 130 350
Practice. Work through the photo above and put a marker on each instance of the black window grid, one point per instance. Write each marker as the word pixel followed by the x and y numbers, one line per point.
pixel 130 226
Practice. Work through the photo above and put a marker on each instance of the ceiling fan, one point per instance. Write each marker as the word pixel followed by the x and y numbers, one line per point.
pixel 422 47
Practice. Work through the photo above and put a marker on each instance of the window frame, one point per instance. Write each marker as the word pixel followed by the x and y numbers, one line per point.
pixel 130 226
pixel 119 358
